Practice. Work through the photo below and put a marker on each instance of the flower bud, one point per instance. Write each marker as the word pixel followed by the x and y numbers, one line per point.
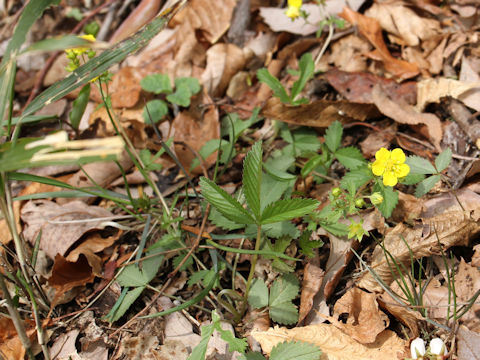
pixel 437 347
pixel 417 348
pixel 376 198
pixel 359 203
pixel 336 192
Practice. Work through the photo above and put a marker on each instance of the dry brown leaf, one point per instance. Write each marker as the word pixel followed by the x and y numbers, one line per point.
pixel 370 28
pixel 469 73
pixel 444 224
pixel 223 62
pixel 400 20
pixel 476 256
pixel 61 226
pixel 67 275
pixel 365 321
pixel 312 281
pixel 347 53
pixel 195 127
pixel 468 344
pixel 467 283
pixel 408 208
pixel 406 114
pixel 10 345
pixel 5 235
pixel 335 344
pixel 319 113
pixel 432 90
pixel 211 18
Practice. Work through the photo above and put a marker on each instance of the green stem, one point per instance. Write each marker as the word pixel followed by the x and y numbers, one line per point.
pixel 253 264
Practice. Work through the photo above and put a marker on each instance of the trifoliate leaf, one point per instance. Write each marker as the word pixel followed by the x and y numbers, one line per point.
pixel 156 83
pixel 303 142
pixel 227 205
pixel 359 177
pixel 283 210
pixel 333 136
pixel 282 292
pixel 263 75
pixel 390 200
pixel 154 111
pixel 307 67
pixel 284 313
pixel 307 245
pixel 258 296
pixel 350 157
pixel 252 178
pixel 426 185
pixel 295 350
pixel 419 165
pixel 443 159
pixel 191 83
pixel 181 96
pixel 412 179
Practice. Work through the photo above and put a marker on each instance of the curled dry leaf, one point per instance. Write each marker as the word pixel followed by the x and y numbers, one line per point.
pixel 444 224
pixel 365 321
pixel 319 113
pixel 398 19
pixel 406 114
pixel 432 90
pixel 370 28
pixel 312 281
pixel 335 344
pixel 61 226
pixel 223 62
pixel 358 86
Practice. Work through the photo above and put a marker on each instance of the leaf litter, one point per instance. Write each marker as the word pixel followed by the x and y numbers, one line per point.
pixel 390 76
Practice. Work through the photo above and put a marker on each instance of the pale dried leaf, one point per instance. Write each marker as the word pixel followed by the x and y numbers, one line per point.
pixel 223 62
pixel 444 224
pixel 365 321
pixel 61 226
pixel 64 347
pixel 468 344
pixel 312 281
pixel 398 19
pixel 335 344
pixel 347 53
pixel 406 114
pixel 469 74
pixel 432 90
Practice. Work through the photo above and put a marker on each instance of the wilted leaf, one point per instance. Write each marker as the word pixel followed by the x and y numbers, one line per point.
pixel 335 344
pixel 365 321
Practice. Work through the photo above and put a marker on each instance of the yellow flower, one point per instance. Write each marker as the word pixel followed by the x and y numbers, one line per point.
pixel 73 53
pixel 391 165
pixel 293 10
pixel 356 230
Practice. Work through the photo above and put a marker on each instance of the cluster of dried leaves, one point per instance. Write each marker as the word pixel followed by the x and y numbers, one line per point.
pixel 403 73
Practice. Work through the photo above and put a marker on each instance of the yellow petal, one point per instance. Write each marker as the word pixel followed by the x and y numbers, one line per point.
pixel 382 154
pixel 293 12
pixel 398 156
pixel 295 3
pixel 402 170
pixel 88 37
pixel 378 167
pixel 389 178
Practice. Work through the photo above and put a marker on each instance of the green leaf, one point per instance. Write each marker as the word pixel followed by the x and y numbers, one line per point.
pixel 279 229
pixel 390 200
pixel 412 179
pixel 443 159
pixel 283 210
pixel 200 350
pixel 359 177
pixel 157 84
pixel 191 83
pixel 219 220
pixel 181 96
pixel 132 276
pixel 311 164
pixel 337 229
pixel 57 43
pixel 307 245
pixel 258 296
pixel 227 205
pixel 178 259
pixel 295 350
pixel 273 83
pixel 307 67
pixel 79 105
pixel 350 157
pixel 283 291
pixel 234 344
pixel 333 136
pixel 419 165
pixel 252 356
pixel 154 111
pixel 273 189
pixel 426 185
pixel 252 178
pixel 127 301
